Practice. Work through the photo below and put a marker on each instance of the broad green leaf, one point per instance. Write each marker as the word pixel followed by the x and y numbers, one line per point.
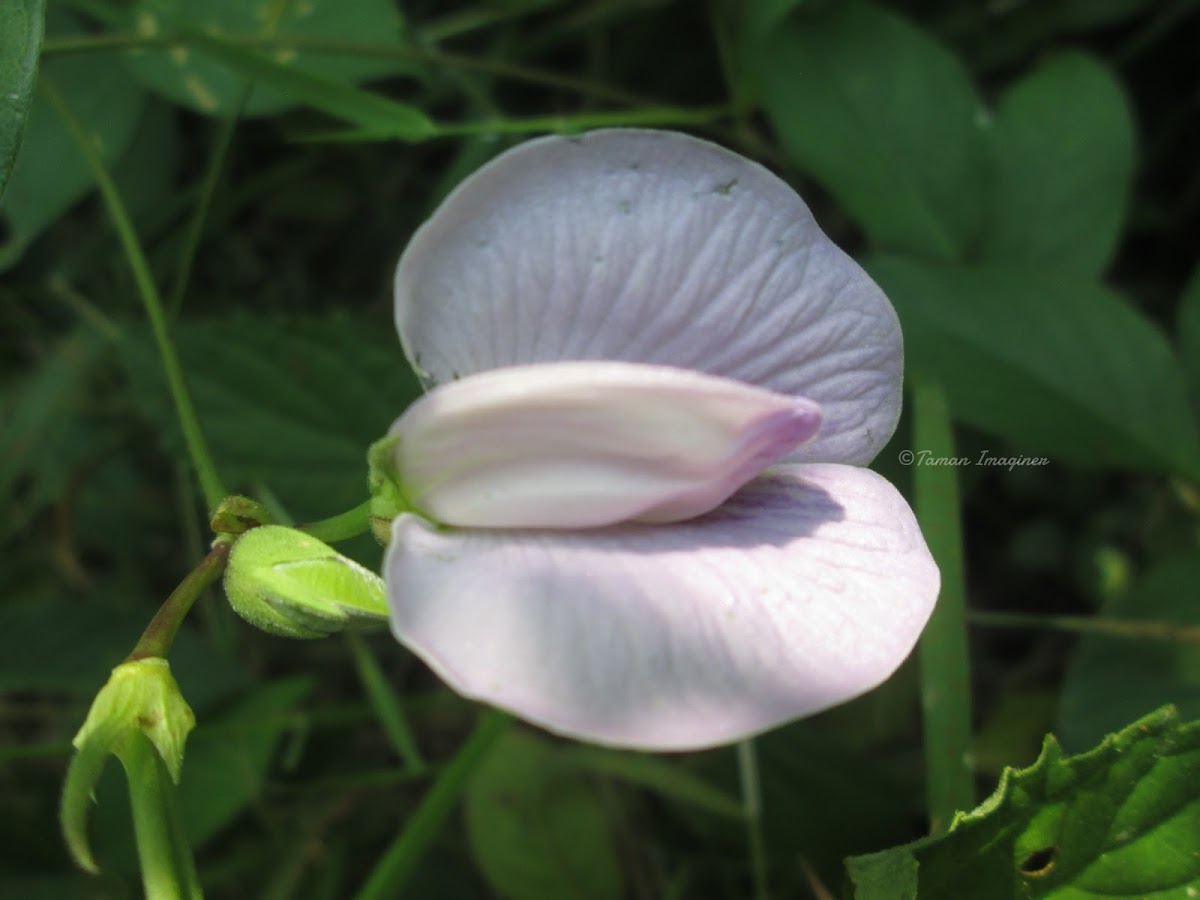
pixel 1188 330
pixel 68 647
pixel 1059 366
pixel 1062 148
pixel 291 405
pixel 537 829
pixel 50 174
pixel 374 113
pixel 1112 680
pixel 884 117
pixel 208 86
pixel 21 24
pixel 1119 821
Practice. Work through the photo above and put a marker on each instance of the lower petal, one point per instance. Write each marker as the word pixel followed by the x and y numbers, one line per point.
pixel 808 587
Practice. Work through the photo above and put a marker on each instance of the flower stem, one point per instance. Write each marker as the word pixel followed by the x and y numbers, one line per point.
pixel 168 870
pixel 945 670
pixel 752 811
pixel 343 526
pixel 160 633
pixel 202 461
pixel 400 859
pixel 1121 628
pixel 386 704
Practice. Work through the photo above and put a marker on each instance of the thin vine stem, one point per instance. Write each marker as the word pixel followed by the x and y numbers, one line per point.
pixel 168 869
pixel 752 812
pixel 156 640
pixel 202 462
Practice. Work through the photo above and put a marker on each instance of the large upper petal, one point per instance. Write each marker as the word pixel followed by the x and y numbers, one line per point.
pixel 652 247
pixel 808 587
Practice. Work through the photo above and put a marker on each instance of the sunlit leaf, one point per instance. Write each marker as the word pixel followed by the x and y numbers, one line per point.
pixel 884 117
pixel 1061 149
pixel 1059 366
pixel 1119 821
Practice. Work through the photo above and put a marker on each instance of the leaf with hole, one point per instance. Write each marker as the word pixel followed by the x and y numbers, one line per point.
pixel 1117 822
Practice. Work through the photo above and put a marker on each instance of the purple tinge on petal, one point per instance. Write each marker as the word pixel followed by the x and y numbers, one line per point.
pixel 652 247
pixel 589 444
pixel 805 589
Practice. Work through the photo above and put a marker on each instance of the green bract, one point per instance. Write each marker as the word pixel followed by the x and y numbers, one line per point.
pixel 142 695
pixel 140 698
pixel 292 584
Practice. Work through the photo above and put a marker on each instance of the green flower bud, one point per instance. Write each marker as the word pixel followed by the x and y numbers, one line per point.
pixel 290 583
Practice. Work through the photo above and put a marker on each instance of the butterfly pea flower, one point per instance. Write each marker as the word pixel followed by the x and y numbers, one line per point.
pixel 633 503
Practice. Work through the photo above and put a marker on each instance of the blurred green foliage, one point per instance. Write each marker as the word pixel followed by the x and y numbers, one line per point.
pixel 1019 177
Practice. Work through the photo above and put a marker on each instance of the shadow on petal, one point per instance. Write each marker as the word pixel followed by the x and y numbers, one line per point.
pixel 807 588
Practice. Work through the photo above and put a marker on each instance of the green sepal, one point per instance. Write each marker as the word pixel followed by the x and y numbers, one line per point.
pixel 237 515
pixel 388 498
pixel 83 774
pixel 291 584
pixel 140 697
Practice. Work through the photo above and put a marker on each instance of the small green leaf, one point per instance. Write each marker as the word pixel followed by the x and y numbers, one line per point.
pixel 372 112
pixel 537 830
pixel 881 115
pixel 1119 821
pixel 1059 366
pixel 208 85
pixel 1062 148
pixel 1112 680
pixel 21 24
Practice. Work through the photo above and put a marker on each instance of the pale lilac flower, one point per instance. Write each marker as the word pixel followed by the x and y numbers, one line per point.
pixel 659 381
